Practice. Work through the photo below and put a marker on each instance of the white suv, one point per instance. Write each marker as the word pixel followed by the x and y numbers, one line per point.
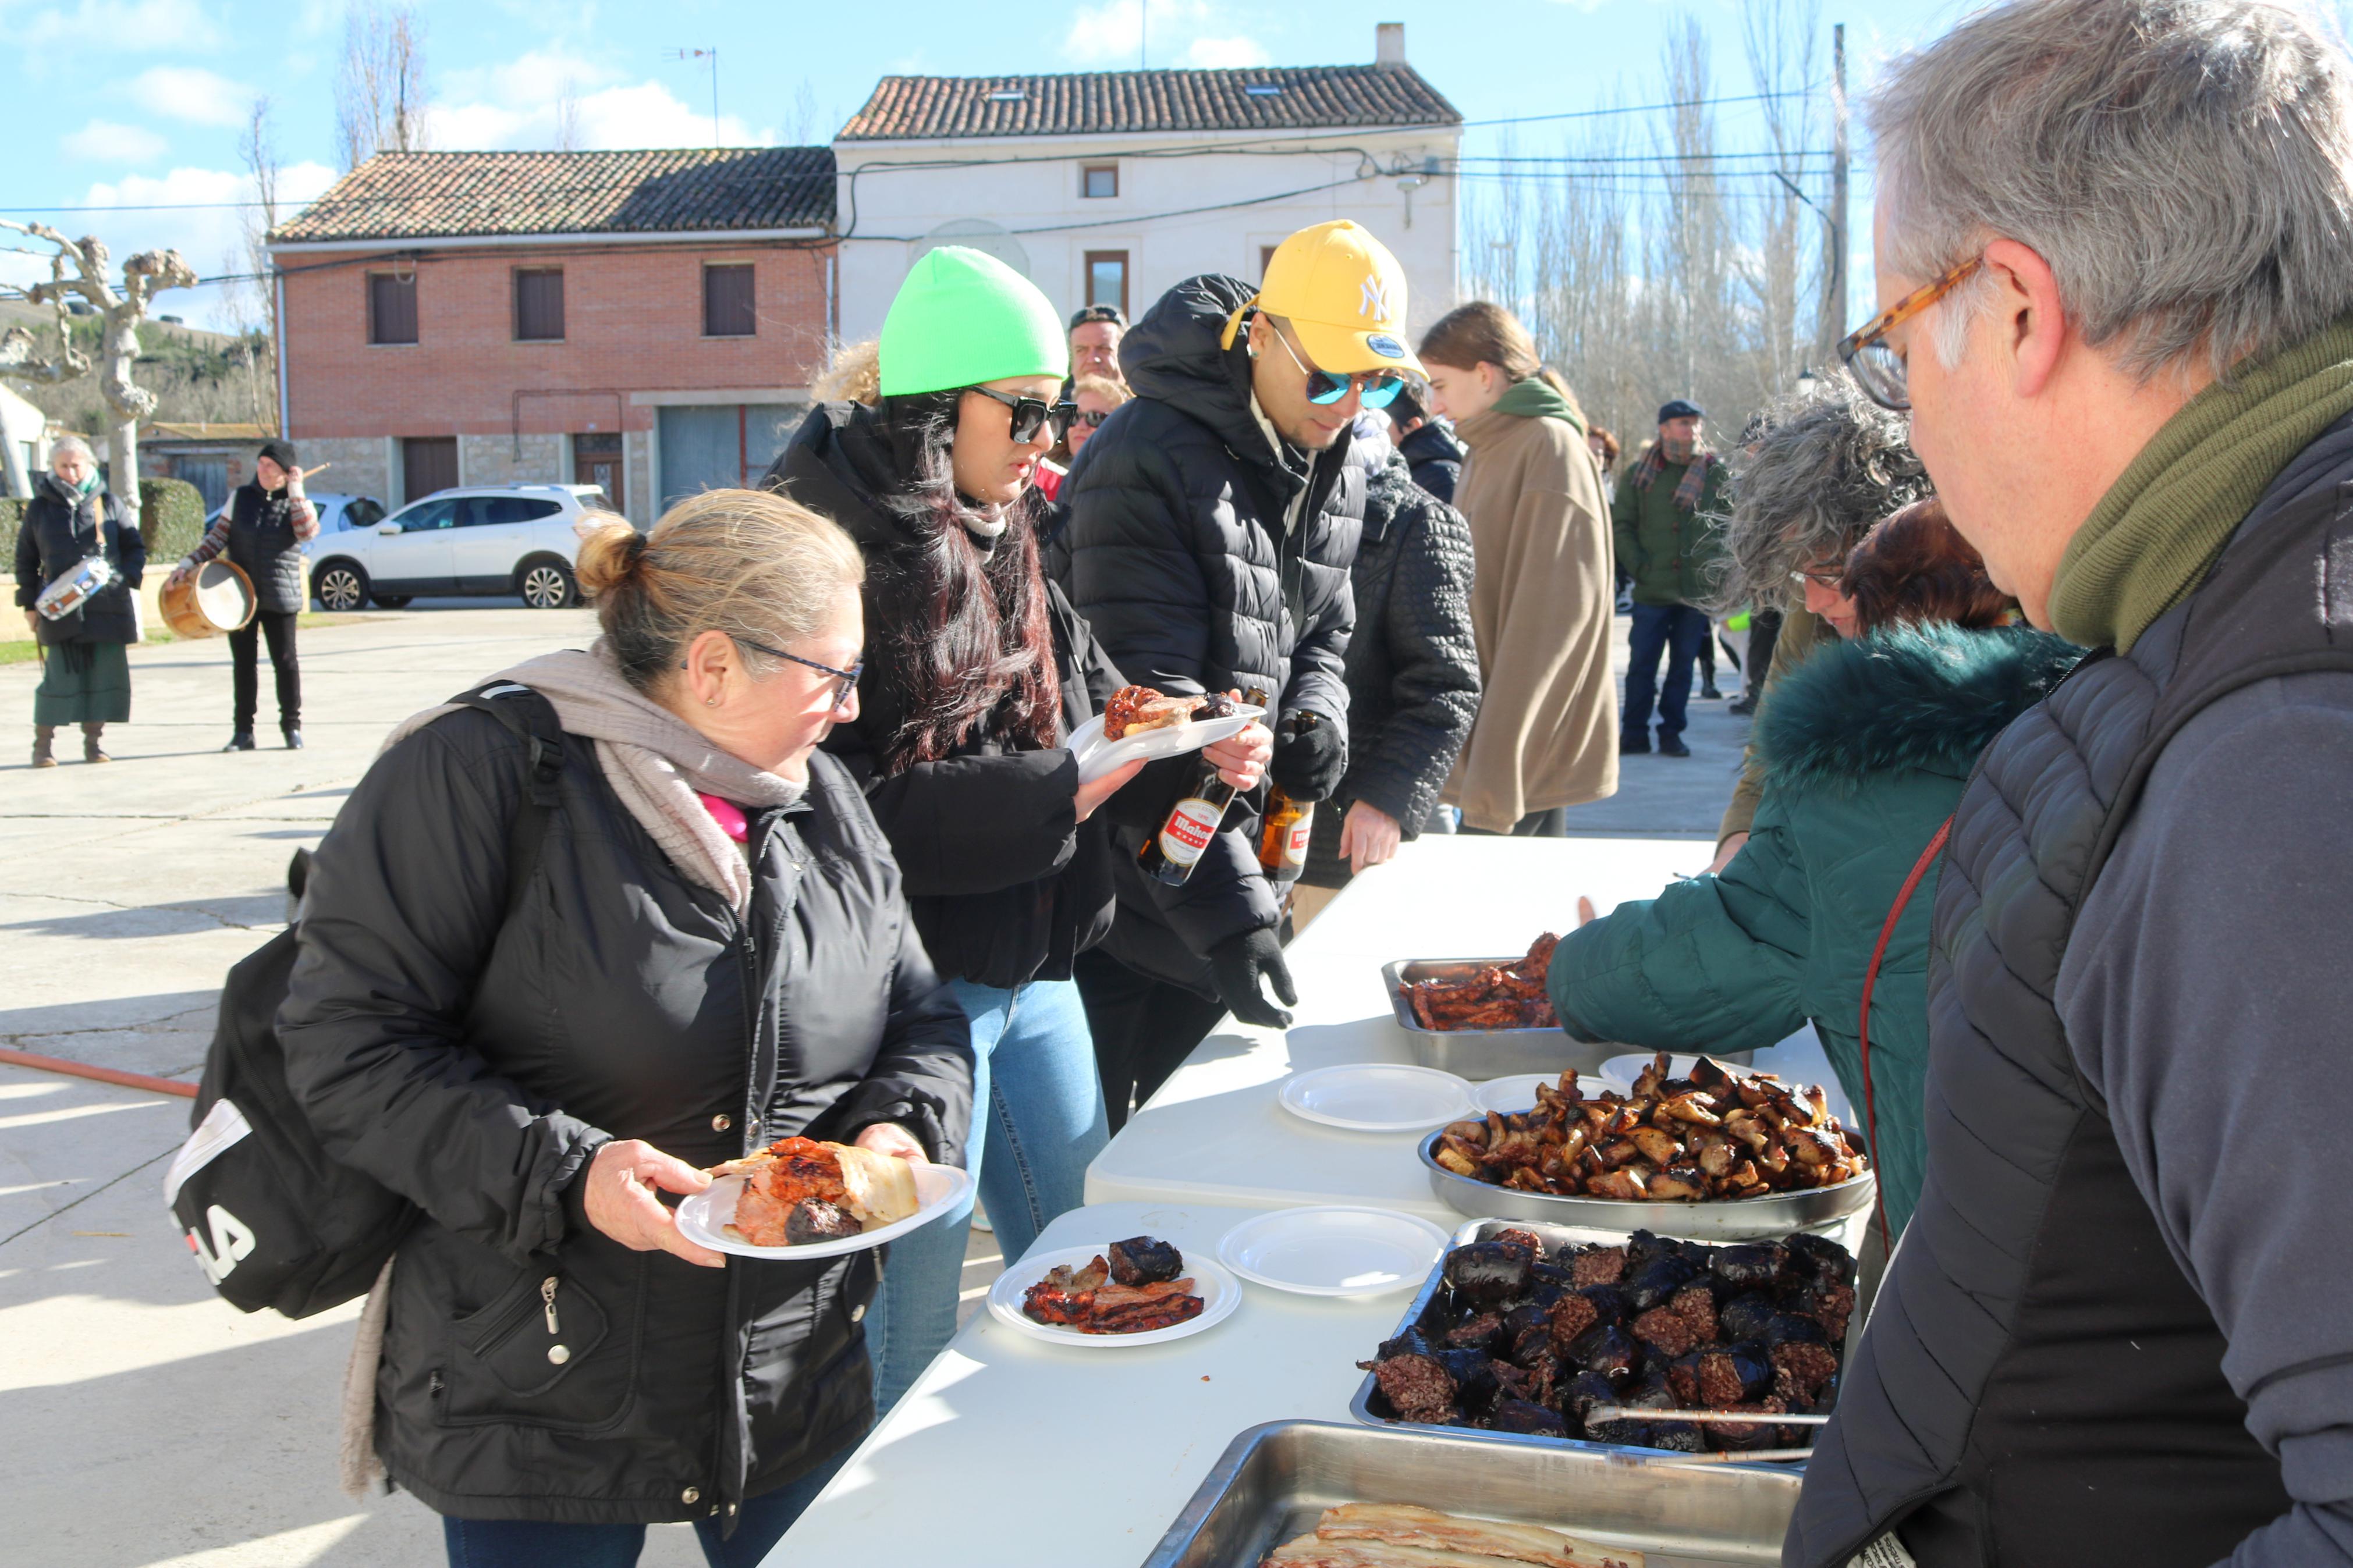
pixel 475 539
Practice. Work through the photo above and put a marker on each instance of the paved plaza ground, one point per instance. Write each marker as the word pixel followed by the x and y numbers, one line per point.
pixel 149 1424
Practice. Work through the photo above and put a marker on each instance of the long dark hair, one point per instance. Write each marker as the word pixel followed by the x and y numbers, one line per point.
pixel 960 625
pixel 1914 566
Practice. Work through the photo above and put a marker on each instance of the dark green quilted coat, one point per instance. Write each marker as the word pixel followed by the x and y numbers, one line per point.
pixel 1866 746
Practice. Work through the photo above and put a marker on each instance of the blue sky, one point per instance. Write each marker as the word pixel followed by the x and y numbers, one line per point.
pixel 161 129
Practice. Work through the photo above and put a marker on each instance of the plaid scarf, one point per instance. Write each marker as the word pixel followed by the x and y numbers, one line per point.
pixel 1697 466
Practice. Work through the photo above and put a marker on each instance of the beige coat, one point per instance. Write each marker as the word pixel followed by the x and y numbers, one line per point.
pixel 1546 733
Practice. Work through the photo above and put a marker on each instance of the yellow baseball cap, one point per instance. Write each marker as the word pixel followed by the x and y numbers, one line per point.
pixel 1344 295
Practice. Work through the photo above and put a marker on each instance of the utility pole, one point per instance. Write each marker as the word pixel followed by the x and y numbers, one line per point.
pixel 1143 34
pixel 1834 275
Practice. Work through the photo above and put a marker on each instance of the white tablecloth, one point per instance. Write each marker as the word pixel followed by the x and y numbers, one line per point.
pixel 1012 1452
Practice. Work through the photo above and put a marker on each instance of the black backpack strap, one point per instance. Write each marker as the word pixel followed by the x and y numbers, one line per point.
pixel 533 720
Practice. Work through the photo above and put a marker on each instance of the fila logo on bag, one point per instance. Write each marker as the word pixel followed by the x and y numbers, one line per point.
pixel 1374 300
pixel 232 1242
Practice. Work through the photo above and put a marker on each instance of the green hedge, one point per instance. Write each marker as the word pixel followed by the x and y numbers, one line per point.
pixel 171 518
pixel 12 514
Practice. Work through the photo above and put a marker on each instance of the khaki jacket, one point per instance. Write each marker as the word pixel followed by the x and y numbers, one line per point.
pixel 1547 735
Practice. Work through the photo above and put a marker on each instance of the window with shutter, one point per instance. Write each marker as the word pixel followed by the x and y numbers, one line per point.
pixel 728 310
pixel 392 308
pixel 539 304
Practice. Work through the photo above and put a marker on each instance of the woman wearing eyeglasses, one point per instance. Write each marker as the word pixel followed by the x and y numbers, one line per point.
pixel 1547 735
pixel 977 671
pixel 531 1023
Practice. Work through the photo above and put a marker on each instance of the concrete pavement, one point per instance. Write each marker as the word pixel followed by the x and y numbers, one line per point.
pixel 151 1424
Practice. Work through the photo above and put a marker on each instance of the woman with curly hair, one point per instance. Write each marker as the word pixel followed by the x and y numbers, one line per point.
pixel 977 671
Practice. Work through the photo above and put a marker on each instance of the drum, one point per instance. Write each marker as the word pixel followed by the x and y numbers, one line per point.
pixel 217 597
pixel 74 589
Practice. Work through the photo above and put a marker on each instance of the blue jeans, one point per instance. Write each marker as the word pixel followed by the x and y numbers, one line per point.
pixel 541 1543
pixel 1678 631
pixel 1037 1120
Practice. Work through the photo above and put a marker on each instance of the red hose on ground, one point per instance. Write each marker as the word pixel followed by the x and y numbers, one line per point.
pixel 103 1075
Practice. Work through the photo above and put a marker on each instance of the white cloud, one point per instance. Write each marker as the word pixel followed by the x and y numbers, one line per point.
pixel 132 26
pixel 190 210
pixel 197 96
pixel 524 114
pixel 1225 54
pixel 111 142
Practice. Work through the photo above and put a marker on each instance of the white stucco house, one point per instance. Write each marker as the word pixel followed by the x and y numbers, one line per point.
pixel 1109 186
pixel 24 443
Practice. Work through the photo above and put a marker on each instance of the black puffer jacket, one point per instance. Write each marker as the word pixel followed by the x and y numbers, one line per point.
pixel 1005 884
pixel 1436 459
pixel 261 542
pixel 1413 663
pixel 1183 561
pixel 59 531
pixel 475 1069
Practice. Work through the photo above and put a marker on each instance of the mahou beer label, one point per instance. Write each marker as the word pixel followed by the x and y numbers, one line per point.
pixel 1294 848
pixel 1189 829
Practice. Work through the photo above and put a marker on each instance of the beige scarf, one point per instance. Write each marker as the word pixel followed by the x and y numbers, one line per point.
pixel 656 763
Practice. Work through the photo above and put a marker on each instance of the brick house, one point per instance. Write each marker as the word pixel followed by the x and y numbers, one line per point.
pixel 646 320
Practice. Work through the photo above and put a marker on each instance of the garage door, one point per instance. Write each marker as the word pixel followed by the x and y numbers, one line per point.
pixel 721 446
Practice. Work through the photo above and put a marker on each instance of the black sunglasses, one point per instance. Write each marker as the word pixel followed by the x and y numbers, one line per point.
pixel 846 681
pixel 1092 418
pixel 1032 415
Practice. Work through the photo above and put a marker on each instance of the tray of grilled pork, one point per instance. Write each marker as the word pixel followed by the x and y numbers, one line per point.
pixel 1554 1335
pixel 1313 1494
pixel 1485 1017
pixel 1695 1147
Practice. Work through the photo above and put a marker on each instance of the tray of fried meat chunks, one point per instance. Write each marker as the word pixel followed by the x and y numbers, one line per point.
pixel 1557 1335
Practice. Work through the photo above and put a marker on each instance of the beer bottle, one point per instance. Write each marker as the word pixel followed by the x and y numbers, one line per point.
pixel 1172 853
pixel 1282 837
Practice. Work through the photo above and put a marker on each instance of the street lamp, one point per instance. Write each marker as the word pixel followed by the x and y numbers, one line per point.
pixel 1807 383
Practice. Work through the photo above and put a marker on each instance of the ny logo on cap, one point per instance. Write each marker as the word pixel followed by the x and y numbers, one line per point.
pixel 1375 298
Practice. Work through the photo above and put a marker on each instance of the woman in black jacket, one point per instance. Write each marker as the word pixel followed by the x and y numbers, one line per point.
pixel 1413 675
pixel 711 952
pixel 977 671
pixel 85 661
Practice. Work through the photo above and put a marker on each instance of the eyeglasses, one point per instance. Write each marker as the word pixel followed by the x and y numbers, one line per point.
pixel 1374 388
pixel 847 679
pixel 1032 415
pixel 1831 580
pixel 1092 418
pixel 1878 369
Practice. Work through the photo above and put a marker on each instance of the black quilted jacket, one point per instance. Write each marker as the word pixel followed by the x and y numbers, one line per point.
pixel 1436 459
pixel 1182 560
pixel 1413 667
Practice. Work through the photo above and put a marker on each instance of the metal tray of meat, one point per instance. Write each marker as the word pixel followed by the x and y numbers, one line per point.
pixel 1554 1237
pixel 1829 1211
pixel 1274 1481
pixel 1479 1054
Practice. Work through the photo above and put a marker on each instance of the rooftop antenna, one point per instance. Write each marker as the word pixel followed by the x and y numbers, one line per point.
pixel 1143 32
pixel 711 54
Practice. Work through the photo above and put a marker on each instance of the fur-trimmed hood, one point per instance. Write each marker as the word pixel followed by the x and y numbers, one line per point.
pixel 1905 697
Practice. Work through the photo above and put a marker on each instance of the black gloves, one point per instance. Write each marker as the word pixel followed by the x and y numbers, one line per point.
pixel 1235 966
pixel 1308 765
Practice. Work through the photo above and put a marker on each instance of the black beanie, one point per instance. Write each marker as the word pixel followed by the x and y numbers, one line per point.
pixel 280 452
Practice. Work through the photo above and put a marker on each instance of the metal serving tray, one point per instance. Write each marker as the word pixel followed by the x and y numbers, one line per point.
pixel 1275 1481
pixel 1479 1054
pixel 1826 1210
pixel 1553 1236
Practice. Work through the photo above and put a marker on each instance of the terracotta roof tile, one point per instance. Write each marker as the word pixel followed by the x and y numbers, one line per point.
pixel 1101 102
pixel 440 195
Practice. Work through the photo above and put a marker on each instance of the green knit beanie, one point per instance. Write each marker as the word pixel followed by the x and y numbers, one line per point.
pixel 962 318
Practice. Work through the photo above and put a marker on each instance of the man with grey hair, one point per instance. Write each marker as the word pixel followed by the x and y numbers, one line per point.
pixel 2113 236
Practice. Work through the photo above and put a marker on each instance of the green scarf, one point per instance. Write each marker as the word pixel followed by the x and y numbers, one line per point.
pixel 1536 398
pixel 2152 537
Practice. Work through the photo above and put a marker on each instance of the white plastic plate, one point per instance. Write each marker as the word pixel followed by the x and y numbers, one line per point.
pixel 1377 1097
pixel 1333 1250
pixel 1098 756
pixel 1219 1291
pixel 707 1217
pixel 1518 1092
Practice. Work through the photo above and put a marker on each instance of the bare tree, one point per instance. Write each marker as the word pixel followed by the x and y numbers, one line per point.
pixel 256 298
pixel 567 114
pixel 802 128
pixel 380 82
pixel 79 266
